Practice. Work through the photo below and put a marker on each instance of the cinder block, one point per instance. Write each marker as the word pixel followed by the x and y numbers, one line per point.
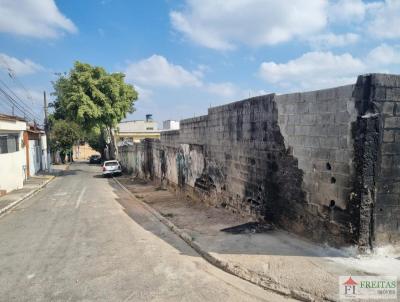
pixel 386 80
pixel 388 199
pixel 321 153
pixel 392 122
pixel 379 93
pixel 388 108
pixel 388 136
pixel 308 119
pixel 393 94
pixel 290 130
pixel 340 156
pixel 397 136
pixel 391 148
pixel 293 119
pixel 329 142
pixel 342 117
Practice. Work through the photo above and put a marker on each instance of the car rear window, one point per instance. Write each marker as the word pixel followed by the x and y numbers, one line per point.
pixel 114 163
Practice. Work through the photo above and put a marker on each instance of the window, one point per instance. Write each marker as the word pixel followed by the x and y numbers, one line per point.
pixel 3 144
pixel 9 143
pixel 149 128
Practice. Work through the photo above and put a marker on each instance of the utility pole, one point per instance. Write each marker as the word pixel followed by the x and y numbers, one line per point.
pixel 46 129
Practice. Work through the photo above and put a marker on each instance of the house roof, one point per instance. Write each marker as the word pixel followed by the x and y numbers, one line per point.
pixel 34 129
pixel 6 117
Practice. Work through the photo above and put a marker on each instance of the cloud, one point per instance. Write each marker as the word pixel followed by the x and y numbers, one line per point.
pixel 225 24
pixel 157 71
pixel 225 89
pixel 34 18
pixel 144 93
pixel 313 70
pixel 385 20
pixel 384 55
pixel 347 11
pixel 329 40
pixel 19 67
pixel 317 70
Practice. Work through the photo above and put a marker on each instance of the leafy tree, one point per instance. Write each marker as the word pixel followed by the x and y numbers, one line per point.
pixel 63 135
pixel 96 140
pixel 94 98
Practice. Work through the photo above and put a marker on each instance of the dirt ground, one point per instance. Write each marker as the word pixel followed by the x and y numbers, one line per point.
pixel 275 254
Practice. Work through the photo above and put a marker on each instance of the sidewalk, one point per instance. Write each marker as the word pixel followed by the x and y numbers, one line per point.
pixel 273 259
pixel 31 186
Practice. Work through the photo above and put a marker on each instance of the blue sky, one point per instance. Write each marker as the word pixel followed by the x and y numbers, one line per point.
pixel 185 56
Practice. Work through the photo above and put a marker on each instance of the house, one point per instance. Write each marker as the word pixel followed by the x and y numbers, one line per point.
pixel 36 148
pixel 134 131
pixel 23 152
pixel 170 125
pixel 13 155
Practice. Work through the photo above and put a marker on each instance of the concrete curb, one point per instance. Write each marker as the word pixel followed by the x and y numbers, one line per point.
pixel 26 196
pixel 264 282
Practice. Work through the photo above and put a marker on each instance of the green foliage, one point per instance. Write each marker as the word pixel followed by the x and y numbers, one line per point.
pixel 92 97
pixel 95 139
pixel 64 135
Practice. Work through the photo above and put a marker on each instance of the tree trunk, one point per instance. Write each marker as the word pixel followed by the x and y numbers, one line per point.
pixel 112 145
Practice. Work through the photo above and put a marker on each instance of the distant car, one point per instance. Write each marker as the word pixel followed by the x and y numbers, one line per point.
pixel 95 159
pixel 111 167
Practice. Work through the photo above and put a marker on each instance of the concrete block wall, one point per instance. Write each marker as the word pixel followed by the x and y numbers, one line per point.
pixel 386 215
pixel 323 164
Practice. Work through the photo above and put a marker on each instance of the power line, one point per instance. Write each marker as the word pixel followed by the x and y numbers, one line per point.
pixel 16 105
pixel 7 108
pixel 26 106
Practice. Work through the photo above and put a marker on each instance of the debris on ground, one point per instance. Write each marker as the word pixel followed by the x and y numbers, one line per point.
pixel 249 228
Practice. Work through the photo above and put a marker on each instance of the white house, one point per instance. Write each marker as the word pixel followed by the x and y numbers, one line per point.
pixel 36 150
pixel 170 125
pixel 13 156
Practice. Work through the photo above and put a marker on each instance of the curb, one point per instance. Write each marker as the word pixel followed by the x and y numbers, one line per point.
pixel 26 196
pixel 236 270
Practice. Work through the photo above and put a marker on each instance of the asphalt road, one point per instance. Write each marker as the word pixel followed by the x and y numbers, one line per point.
pixel 84 239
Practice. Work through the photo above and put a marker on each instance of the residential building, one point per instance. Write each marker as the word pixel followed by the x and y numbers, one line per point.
pixel 13 156
pixel 36 148
pixel 170 125
pixel 23 152
pixel 134 131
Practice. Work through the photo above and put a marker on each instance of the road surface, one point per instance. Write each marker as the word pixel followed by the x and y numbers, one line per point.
pixel 84 239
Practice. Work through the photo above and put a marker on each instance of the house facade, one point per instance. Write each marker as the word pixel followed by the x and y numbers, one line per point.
pixel 23 152
pixel 137 130
pixel 13 155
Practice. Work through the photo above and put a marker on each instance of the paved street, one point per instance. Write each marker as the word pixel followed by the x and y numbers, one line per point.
pixel 83 239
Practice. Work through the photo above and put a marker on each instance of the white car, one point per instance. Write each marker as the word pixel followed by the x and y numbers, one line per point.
pixel 111 167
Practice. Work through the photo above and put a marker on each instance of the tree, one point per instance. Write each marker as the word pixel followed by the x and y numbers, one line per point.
pixel 94 98
pixel 96 140
pixel 63 135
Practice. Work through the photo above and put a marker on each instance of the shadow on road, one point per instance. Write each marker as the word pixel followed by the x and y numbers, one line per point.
pixel 147 221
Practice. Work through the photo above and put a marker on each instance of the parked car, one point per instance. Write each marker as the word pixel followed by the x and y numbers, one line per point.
pixel 111 167
pixel 95 159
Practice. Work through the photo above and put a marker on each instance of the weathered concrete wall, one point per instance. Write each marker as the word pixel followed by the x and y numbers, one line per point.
pixel 385 97
pixel 324 164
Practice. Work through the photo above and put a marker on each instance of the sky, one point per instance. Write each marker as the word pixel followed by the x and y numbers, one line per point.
pixel 185 56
